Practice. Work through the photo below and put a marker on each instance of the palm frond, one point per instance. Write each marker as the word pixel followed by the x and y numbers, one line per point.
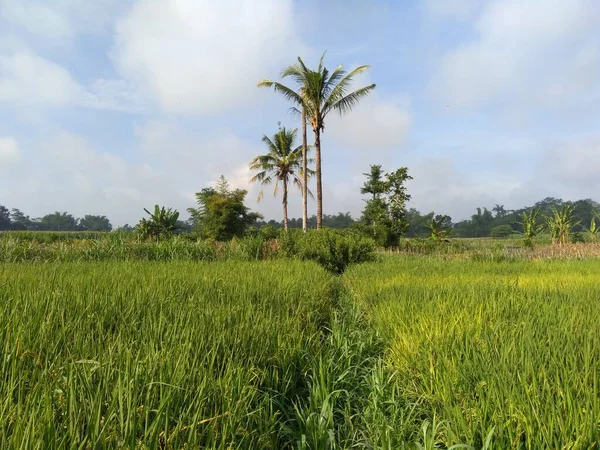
pixel 273 148
pixel 346 103
pixel 286 92
pixel 344 82
pixel 298 182
pixel 332 82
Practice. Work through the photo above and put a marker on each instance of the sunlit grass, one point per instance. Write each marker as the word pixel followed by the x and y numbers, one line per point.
pixel 508 348
pixel 155 355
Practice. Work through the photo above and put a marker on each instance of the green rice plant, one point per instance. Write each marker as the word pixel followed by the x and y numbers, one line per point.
pixel 509 347
pixel 156 355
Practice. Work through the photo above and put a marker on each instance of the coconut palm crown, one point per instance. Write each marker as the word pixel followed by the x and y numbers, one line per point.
pixel 320 92
pixel 282 165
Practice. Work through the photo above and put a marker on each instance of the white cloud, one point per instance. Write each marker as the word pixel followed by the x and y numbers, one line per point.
pixel 572 167
pixel 9 152
pixel 201 56
pixel 115 95
pixel 25 77
pixel 525 55
pixel 59 20
pixel 374 124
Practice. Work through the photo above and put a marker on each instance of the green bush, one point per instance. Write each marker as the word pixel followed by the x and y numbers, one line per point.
pixel 335 250
pixel 501 231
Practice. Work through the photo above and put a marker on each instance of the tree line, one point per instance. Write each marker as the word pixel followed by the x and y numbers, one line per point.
pixel 221 213
pixel 14 219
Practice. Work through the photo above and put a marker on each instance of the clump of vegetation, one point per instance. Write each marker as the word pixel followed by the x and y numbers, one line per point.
pixel 333 249
pixel 384 217
pixel 221 213
pixel 561 224
pixel 501 231
pixel 532 227
pixel 162 223
pixel 593 229
pixel 440 228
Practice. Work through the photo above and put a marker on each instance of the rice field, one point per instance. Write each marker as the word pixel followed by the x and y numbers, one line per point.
pixel 408 352
pixel 506 350
pixel 156 355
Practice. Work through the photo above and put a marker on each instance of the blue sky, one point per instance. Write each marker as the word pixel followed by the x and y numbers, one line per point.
pixel 110 106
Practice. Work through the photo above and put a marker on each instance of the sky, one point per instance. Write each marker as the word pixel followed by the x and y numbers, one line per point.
pixel 110 106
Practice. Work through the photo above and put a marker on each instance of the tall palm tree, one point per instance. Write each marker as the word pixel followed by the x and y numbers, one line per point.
pixel 320 93
pixel 282 164
pixel 300 107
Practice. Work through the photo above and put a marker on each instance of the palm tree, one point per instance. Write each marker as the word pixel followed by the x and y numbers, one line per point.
pixel 499 210
pixel 320 92
pixel 282 164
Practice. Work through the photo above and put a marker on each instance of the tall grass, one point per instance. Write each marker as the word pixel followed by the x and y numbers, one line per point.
pixel 155 355
pixel 507 350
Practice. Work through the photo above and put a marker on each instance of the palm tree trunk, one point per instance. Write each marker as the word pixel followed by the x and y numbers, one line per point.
pixel 285 204
pixel 304 172
pixel 318 170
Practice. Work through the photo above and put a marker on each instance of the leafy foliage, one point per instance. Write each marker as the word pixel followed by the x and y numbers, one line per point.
pixel 58 222
pixel 561 223
pixel 440 228
pixel 162 223
pixel 384 217
pixel 281 165
pixel 593 229
pixel 501 231
pixel 532 227
pixel 95 223
pixel 334 250
pixel 5 222
pixel 221 214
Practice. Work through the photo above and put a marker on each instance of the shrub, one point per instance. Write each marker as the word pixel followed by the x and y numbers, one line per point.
pixel 335 250
pixel 501 231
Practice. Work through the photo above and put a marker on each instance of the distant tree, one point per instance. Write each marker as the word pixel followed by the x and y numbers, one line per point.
pixel 419 223
pixel 95 223
pixel 385 217
pixel 221 214
pixel 375 185
pixel 501 231
pixel 5 222
pixel 499 210
pixel 281 165
pixel 162 223
pixel 584 211
pixel 547 205
pixel 125 229
pixel 341 220
pixel 482 222
pixel 184 226
pixel 440 227
pixel 20 221
pixel 58 222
